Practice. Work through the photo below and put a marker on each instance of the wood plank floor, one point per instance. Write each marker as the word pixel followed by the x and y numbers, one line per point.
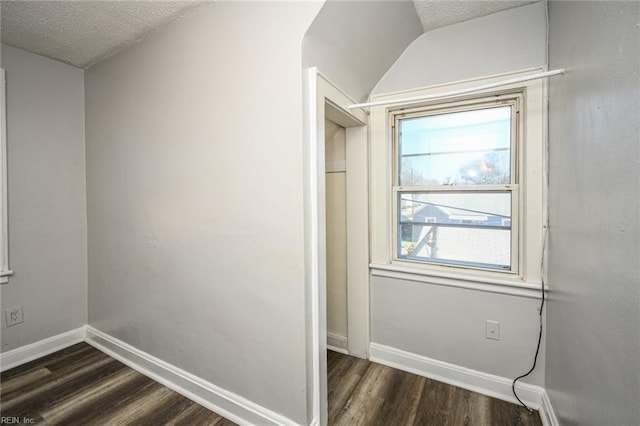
pixel 83 386
pixel 369 394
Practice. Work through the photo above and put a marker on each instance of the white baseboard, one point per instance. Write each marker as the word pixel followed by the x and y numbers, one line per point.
pixel 337 343
pixel 229 405
pixel 477 381
pixel 24 354
pixel 547 415
pixel 244 412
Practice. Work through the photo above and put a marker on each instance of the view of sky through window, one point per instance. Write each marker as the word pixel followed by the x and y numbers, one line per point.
pixel 461 148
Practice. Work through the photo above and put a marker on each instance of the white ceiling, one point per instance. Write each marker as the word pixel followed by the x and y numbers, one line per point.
pixel 82 33
pixel 440 13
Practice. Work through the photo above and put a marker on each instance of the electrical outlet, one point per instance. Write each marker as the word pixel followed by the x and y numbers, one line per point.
pixel 14 316
pixel 492 330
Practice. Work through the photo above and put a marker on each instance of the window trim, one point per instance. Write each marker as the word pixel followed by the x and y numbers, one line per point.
pixel 531 203
pixel 5 271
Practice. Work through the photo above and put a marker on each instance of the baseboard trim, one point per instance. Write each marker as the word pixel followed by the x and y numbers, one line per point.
pixel 477 381
pixel 547 415
pixel 24 354
pixel 228 404
pixel 337 343
pixel 244 412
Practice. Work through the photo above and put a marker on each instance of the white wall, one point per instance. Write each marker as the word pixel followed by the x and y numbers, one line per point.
pixel 195 199
pixel 593 345
pixel 336 218
pixel 47 206
pixel 502 42
pixel 448 323
pixel 353 43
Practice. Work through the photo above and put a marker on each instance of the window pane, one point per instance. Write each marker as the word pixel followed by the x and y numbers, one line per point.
pixel 460 228
pixel 463 148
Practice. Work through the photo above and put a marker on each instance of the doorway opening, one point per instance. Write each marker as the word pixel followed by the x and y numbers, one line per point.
pixel 327 102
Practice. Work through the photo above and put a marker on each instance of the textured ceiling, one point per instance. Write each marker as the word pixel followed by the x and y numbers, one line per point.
pixel 82 33
pixel 440 13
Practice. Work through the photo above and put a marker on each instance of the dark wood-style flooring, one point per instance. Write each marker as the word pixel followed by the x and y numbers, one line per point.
pixel 366 393
pixel 83 386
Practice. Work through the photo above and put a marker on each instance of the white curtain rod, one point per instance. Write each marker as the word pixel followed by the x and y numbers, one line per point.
pixel 459 92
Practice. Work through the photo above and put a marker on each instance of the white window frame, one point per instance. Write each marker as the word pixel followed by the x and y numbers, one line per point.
pixel 512 99
pixel 5 272
pixel 528 219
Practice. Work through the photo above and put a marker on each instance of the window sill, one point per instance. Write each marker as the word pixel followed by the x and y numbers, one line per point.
pixel 508 286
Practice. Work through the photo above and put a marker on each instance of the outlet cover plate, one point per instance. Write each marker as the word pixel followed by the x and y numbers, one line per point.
pixel 492 330
pixel 14 316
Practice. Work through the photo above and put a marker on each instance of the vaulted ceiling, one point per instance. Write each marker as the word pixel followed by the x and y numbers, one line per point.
pixel 82 33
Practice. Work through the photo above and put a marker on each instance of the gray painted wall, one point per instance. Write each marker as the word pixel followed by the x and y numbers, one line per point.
pixel 47 206
pixel 447 323
pixel 502 42
pixel 195 199
pixel 354 43
pixel 593 341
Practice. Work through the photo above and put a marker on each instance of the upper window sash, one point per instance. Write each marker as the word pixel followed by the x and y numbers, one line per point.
pixel 511 100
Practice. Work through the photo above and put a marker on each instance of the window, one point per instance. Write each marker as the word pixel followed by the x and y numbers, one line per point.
pixel 455 184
